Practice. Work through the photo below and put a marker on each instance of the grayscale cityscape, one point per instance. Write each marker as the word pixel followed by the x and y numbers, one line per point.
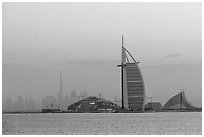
pixel 105 68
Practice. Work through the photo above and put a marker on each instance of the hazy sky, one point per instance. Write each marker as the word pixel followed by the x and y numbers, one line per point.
pixel 85 39
pixel 155 33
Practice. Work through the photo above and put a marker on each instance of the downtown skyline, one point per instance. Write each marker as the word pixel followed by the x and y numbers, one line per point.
pixel 84 39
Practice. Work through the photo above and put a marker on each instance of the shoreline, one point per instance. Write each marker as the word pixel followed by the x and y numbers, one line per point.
pixel 103 112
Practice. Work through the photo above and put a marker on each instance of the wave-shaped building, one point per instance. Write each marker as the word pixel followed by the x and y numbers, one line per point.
pixel 178 102
pixel 133 89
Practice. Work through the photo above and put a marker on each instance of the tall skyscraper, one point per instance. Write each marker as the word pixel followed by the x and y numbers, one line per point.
pixel 60 93
pixel 83 95
pixel 133 89
pixel 73 97
pixel 20 103
pixel 26 105
pixel 7 105
pixel 49 101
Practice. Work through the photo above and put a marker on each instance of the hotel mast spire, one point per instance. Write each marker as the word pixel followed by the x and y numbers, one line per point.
pixel 122 61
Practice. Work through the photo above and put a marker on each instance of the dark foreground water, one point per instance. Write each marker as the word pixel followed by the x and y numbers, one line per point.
pixel 100 123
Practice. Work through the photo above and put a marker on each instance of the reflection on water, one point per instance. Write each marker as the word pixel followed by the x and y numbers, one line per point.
pixel 100 123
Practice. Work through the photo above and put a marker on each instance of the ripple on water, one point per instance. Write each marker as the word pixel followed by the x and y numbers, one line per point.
pixel 103 124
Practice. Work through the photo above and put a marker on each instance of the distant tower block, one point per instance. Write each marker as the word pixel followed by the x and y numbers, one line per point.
pixel 60 93
pixel 133 89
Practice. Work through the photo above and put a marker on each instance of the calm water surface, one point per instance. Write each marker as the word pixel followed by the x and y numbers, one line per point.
pixel 100 123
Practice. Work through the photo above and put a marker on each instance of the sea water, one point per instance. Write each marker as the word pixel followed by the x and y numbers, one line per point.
pixel 103 123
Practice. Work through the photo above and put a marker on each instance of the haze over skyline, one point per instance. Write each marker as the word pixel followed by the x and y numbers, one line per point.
pixel 85 40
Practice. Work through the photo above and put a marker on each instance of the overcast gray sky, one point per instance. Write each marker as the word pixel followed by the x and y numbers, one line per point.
pixel 57 32
pixel 44 34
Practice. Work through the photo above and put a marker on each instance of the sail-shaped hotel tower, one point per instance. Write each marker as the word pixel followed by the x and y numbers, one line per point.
pixel 133 89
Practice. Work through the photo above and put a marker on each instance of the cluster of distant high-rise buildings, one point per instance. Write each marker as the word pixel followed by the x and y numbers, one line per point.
pixel 20 105
pixel 62 102
pixel 30 105
pixel 50 101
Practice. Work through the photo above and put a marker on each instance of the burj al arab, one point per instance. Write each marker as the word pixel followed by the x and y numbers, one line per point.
pixel 132 83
